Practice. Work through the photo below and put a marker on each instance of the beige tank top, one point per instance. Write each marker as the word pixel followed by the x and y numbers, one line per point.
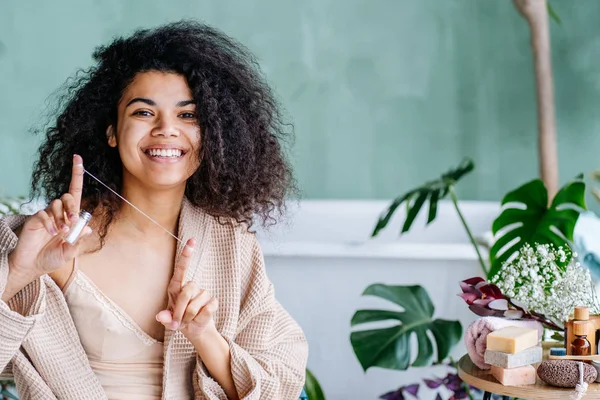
pixel 127 361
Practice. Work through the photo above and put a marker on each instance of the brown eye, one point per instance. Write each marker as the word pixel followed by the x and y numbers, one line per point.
pixel 187 115
pixel 143 113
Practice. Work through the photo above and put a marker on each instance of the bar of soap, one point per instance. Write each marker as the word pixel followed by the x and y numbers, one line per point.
pixel 514 376
pixel 528 356
pixel 512 339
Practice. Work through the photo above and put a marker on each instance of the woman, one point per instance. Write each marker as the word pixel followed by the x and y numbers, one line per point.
pixel 178 122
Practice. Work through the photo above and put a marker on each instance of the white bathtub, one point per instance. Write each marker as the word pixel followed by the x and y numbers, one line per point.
pixel 322 260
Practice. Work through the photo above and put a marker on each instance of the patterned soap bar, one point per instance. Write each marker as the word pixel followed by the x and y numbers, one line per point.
pixel 528 356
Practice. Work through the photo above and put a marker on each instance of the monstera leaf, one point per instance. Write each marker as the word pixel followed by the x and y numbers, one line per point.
pixel 528 219
pixel 415 199
pixel 390 347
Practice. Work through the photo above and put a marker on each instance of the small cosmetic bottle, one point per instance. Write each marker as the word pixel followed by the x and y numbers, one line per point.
pixel 580 346
pixel 73 234
pixel 581 313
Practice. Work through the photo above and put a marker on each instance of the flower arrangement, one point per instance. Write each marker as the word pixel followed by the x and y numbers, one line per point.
pixel 549 281
pixel 543 283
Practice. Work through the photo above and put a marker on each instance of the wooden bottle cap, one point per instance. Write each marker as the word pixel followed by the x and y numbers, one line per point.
pixel 580 328
pixel 582 313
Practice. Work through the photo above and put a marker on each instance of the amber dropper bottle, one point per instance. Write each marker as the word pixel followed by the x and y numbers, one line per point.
pixel 580 345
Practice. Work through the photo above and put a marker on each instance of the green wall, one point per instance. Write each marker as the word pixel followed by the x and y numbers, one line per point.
pixel 384 93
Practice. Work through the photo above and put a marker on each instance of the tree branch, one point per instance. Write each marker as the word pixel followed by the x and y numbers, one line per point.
pixel 536 14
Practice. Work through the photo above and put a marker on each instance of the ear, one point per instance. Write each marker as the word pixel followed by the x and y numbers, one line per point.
pixel 110 135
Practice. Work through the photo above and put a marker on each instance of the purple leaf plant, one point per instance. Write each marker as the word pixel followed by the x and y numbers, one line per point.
pixel 399 394
pixel 457 387
pixel 486 299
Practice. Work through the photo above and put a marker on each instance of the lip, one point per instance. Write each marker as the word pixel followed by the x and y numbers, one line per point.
pixel 166 160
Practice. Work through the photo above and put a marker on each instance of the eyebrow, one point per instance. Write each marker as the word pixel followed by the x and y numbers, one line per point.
pixel 153 103
pixel 141 100
pixel 185 103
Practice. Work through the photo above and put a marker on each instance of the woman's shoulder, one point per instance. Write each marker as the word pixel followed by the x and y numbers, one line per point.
pixel 228 229
pixel 219 228
pixel 229 244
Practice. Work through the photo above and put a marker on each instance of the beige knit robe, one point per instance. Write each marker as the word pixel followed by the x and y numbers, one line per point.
pixel 40 346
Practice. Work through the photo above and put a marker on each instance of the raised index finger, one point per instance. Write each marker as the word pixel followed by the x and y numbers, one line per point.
pixel 76 186
pixel 181 266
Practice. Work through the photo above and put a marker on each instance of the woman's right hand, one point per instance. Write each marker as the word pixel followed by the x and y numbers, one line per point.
pixel 41 247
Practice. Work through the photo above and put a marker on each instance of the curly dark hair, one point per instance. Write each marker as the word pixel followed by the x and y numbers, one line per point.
pixel 244 173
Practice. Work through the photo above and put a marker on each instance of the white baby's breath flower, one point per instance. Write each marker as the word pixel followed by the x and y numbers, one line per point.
pixel 536 280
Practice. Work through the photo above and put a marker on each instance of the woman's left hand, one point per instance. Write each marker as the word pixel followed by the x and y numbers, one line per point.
pixel 190 309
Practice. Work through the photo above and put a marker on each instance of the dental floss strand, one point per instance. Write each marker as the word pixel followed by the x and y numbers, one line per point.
pixel 193 277
pixel 131 204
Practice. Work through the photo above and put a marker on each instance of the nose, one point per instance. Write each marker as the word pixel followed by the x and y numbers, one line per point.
pixel 166 127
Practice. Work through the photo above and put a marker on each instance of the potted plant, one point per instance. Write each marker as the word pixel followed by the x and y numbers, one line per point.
pixel 527 219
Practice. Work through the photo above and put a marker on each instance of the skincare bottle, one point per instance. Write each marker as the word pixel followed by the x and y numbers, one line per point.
pixel 580 346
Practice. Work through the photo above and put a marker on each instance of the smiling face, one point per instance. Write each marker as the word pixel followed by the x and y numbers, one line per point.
pixel 157 132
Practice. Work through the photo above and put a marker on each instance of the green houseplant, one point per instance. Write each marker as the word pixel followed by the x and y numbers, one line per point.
pixel 10 205
pixel 527 217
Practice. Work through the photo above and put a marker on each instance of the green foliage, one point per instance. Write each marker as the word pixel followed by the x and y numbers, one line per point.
pixel 595 191
pixel 553 14
pixel 4 393
pixel 390 347
pixel 431 191
pixel 527 218
pixel 10 205
pixel 312 387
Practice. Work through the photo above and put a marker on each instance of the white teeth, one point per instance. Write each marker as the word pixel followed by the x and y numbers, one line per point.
pixel 175 153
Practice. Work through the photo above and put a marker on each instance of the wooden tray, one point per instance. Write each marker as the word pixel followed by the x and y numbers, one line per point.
pixel 484 380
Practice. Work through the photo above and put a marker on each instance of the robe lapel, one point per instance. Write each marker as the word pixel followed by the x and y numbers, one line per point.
pixel 179 353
